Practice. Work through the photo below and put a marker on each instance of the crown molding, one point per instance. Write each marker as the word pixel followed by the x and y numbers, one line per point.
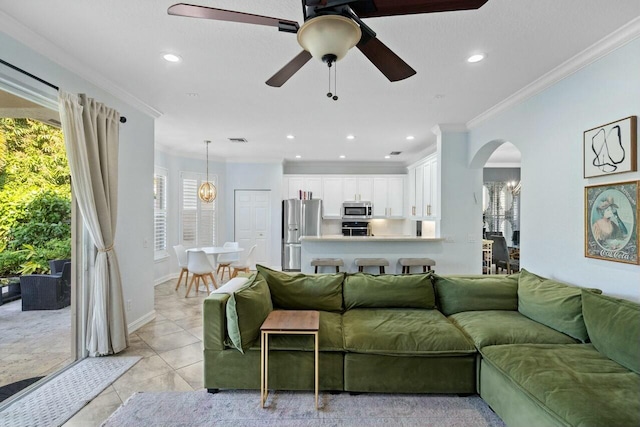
pixel 449 127
pixel 44 47
pixel 608 44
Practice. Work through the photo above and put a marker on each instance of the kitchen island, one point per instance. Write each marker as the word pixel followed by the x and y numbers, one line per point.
pixel 349 248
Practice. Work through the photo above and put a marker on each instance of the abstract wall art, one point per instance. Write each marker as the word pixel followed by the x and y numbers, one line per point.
pixel 611 222
pixel 611 148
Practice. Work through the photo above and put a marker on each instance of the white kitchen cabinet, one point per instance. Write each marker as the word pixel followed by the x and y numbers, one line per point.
pixel 424 197
pixel 388 197
pixel 332 188
pixel 309 183
pixel 358 188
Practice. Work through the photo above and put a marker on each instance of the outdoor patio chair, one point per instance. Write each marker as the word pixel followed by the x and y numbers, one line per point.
pixel 46 291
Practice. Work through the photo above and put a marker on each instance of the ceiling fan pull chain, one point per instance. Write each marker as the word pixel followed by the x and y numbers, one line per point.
pixel 329 94
pixel 335 81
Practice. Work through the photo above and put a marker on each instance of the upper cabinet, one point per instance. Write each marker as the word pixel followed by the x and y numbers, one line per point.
pixel 386 192
pixel 423 190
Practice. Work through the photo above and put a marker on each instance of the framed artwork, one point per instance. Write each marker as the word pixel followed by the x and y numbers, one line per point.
pixel 611 222
pixel 611 148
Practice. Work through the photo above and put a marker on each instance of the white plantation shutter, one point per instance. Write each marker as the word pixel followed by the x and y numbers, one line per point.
pixel 160 212
pixel 197 219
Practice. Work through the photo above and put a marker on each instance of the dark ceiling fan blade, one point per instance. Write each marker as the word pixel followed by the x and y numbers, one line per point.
pixel 285 73
pixel 390 64
pixel 194 11
pixel 373 8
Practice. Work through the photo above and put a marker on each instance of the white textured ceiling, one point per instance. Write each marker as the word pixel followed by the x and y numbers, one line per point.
pixel 226 64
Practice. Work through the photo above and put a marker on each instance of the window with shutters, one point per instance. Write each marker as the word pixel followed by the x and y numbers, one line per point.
pixel 197 219
pixel 160 213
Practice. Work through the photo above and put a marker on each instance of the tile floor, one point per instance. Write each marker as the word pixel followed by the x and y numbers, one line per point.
pixel 171 348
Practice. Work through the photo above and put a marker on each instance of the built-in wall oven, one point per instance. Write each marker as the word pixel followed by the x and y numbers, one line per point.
pixel 357 210
pixel 355 228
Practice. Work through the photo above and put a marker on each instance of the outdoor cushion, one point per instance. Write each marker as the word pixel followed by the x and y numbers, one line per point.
pixel 573 381
pixel 247 308
pixel 363 290
pixel 552 303
pixel 304 291
pixel 329 336
pixel 474 293
pixel 491 327
pixel 402 331
pixel 614 328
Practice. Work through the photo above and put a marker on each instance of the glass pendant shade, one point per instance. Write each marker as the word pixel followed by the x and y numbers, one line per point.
pixel 329 35
pixel 207 191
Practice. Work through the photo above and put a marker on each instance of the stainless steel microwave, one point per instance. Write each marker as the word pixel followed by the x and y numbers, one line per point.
pixel 357 210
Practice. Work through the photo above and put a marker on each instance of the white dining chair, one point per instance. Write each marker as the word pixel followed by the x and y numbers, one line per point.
pixel 225 260
pixel 200 268
pixel 245 264
pixel 181 254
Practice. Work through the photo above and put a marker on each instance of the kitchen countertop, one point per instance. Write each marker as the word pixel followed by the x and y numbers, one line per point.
pixel 381 238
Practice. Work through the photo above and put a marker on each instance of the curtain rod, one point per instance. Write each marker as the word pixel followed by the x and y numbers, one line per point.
pixel 123 119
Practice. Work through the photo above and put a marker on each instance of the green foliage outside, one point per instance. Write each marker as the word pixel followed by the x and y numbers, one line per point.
pixel 35 197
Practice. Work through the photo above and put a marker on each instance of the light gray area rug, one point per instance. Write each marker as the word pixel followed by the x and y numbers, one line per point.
pixel 288 409
pixel 53 403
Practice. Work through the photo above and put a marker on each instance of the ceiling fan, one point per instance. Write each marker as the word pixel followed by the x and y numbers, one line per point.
pixel 332 27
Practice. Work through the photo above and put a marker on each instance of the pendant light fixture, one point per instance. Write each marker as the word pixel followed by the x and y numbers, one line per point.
pixel 207 191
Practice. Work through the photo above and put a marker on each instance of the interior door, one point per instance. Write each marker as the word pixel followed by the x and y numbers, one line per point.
pixel 252 223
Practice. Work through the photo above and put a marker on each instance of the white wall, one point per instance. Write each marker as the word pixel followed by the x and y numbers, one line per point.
pixel 135 187
pixel 548 129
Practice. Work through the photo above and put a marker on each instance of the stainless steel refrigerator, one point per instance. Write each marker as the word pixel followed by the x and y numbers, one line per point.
pixel 299 218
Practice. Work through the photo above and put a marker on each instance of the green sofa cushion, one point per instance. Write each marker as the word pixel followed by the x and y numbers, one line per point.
pixel 552 303
pixel 402 331
pixel 475 293
pixel 304 291
pixel 363 290
pixel 614 328
pixel 492 327
pixel 247 308
pixel 573 381
pixel 329 337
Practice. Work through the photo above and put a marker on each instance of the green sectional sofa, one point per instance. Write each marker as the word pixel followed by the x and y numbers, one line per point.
pixel 538 351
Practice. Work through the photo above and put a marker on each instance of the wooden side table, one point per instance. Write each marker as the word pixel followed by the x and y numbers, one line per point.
pixel 487 256
pixel 293 322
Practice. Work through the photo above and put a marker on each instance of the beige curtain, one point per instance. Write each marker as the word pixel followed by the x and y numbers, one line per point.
pixel 91 137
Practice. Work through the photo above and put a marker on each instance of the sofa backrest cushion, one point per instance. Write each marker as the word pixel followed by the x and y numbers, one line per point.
pixel 614 328
pixel 363 290
pixel 552 303
pixel 304 291
pixel 247 308
pixel 476 293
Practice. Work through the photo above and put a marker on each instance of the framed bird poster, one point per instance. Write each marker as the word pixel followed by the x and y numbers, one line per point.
pixel 611 148
pixel 611 222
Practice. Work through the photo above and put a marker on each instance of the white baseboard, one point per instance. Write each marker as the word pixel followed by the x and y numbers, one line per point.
pixel 138 323
pixel 163 279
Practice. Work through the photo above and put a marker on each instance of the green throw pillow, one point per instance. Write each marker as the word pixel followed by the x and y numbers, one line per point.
pixel 476 293
pixel 363 290
pixel 614 328
pixel 247 308
pixel 304 291
pixel 552 303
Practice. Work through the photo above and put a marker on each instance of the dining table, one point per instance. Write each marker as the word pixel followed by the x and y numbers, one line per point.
pixel 215 252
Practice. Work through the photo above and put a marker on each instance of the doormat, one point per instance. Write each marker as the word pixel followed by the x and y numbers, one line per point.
pixel 53 403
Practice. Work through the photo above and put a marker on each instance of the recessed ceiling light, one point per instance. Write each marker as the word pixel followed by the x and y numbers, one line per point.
pixel 298 156
pixel 342 156
pixel 171 57
pixel 387 157
pixel 351 137
pixel 410 138
pixel 290 136
pixel 476 58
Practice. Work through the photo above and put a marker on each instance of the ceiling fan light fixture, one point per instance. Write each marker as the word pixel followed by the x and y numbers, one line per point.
pixel 329 35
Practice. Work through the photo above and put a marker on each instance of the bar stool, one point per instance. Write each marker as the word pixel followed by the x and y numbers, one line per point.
pixel 371 262
pixel 327 262
pixel 407 263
